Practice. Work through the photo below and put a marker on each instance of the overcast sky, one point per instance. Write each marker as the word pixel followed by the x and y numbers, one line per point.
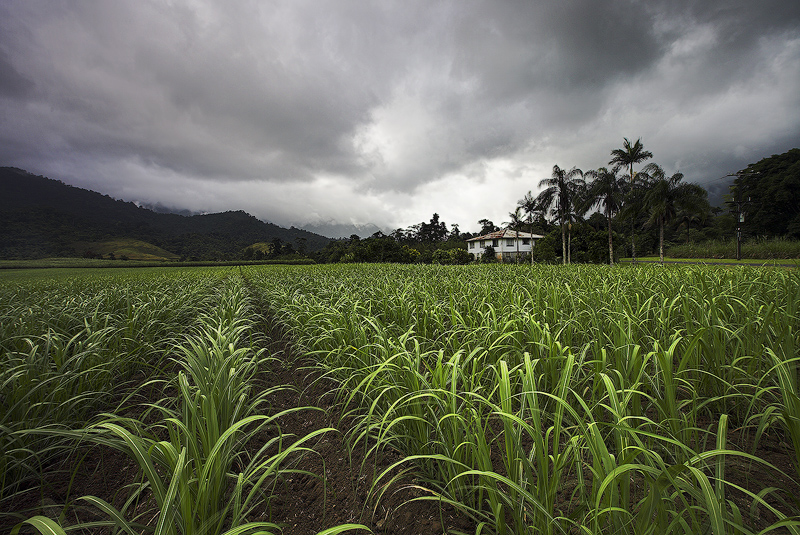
pixel 385 112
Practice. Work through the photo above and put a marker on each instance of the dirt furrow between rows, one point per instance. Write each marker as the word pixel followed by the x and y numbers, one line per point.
pixel 306 504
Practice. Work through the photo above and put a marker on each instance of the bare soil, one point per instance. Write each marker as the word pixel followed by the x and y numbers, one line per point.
pixel 306 505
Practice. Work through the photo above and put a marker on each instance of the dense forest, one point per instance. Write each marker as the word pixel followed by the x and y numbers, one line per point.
pixel 770 195
pixel 645 210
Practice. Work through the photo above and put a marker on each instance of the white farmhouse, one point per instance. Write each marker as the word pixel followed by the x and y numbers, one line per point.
pixel 506 243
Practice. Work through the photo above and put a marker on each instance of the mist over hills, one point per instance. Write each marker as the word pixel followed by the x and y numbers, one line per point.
pixel 333 229
pixel 330 229
pixel 162 209
pixel 41 217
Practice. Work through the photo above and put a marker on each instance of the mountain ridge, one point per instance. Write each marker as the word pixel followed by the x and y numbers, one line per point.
pixel 40 216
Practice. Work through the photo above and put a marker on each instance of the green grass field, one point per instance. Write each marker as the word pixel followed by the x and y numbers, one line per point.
pixel 81 263
pixel 783 262
pixel 546 399
pixel 84 263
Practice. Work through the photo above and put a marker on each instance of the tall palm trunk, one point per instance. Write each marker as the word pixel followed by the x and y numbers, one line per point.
pixel 532 245
pixel 633 225
pixel 610 241
pixel 661 239
pixel 569 243
pixel 563 243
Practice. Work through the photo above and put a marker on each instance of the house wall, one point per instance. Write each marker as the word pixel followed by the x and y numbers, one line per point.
pixel 503 250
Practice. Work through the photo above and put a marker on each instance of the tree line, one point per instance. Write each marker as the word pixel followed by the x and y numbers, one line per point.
pixel 630 206
pixel 427 242
pixel 650 201
pixel 618 191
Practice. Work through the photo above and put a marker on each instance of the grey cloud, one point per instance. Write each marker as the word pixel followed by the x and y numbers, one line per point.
pixel 387 96
pixel 12 83
pixel 561 46
pixel 174 90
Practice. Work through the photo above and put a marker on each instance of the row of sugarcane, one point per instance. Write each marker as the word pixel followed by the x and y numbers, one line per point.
pixel 581 399
pixel 209 452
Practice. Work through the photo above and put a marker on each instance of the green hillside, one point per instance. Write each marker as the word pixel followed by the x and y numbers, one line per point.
pixel 124 248
pixel 41 217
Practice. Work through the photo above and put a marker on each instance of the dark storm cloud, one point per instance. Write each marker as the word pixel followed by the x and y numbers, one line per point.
pixel 228 95
pixel 517 47
pixel 12 83
pixel 386 102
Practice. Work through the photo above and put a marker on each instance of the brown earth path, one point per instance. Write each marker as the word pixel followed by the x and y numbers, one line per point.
pixel 300 504
pixel 307 505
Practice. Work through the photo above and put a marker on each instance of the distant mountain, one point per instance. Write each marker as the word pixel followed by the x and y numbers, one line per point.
pixel 339 230
pixel 161 209
pixel 42 217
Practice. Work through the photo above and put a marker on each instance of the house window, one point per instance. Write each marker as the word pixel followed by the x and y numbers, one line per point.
pixel 472 245
pixel 510 243
pixel 494 243
pixel 526 241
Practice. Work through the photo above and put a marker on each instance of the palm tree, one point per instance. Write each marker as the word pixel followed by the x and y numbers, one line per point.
pixel 576 209
pixel 666 196
pixel 530 205
pixel 606 191
pixel 628 155
pixel 560 192
pixel 686 218
pixel 515 221
pixel 696 213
